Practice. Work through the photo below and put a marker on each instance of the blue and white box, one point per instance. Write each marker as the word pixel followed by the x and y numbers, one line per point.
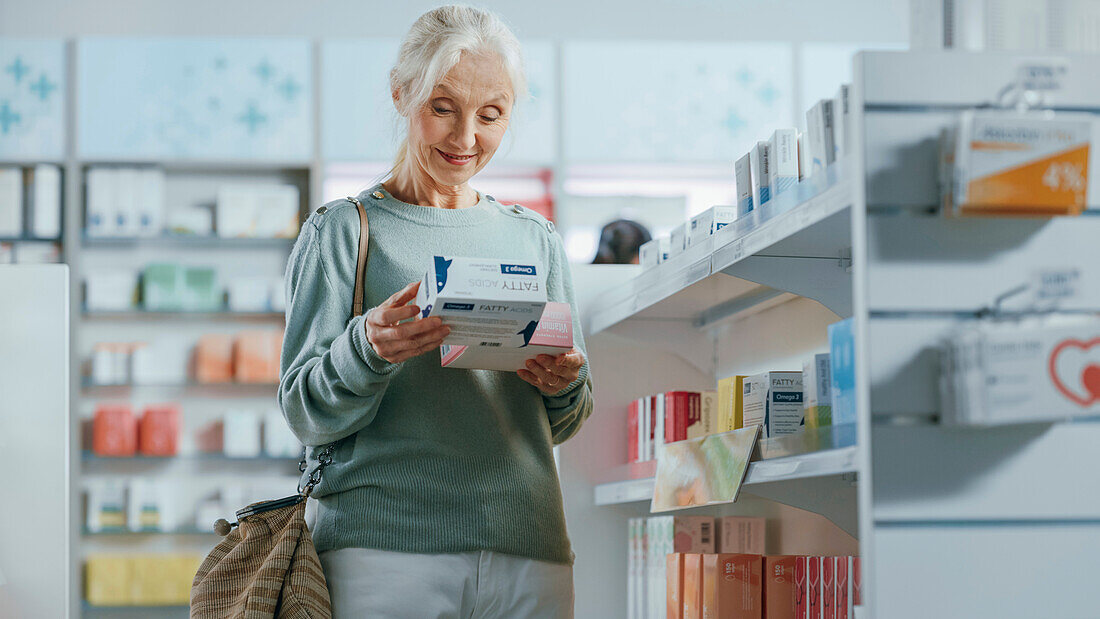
pixel 495 303
pixel 842 124
pixel 842 354
pixel 760 165
pixel 783 160
pixel 819 128
pixel 677 240
pixel 773 401
pixel 708 222
pixel 654 252
pixel 742 172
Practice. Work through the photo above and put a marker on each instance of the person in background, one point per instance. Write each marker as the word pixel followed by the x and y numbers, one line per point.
pixel 442 498
pixel 619 242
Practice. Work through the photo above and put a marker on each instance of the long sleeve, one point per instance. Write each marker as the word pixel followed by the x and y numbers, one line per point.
pixel 569 408
pixel 331 379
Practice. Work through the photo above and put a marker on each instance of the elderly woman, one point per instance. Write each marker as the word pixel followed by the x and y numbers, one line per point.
pixel 442 498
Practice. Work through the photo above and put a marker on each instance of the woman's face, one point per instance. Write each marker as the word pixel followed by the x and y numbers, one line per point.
pixel 460 127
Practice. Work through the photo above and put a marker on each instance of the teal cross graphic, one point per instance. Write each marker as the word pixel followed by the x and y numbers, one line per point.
pixel 744 76
pixel 18 69
pixel 43 87
pixel 7 117
pixel 768 94
pixel 253 118
pixel 289 88
pixel 264 70
pixel 734 122
pixel 219 63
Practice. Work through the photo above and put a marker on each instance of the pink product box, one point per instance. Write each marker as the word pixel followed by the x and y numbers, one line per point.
pixel 553 335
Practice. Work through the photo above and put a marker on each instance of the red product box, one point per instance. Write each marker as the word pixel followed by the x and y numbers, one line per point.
pixel 159 430
pixel 781 589
pixel 114 430
pixel 801 577
pixel 654 444
pixel 682 409
pixel 842 584
pixel 828 587
pixel 857 583
pixel 632 429
pixel 674 574
pixel 813 588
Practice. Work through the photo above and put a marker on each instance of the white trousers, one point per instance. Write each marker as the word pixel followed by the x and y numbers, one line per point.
pixel 471 585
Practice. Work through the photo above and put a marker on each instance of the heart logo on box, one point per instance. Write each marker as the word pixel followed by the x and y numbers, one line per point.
pixel 1088 391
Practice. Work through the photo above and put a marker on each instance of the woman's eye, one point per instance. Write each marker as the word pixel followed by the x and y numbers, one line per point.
pixel 441 110
pixel 490 119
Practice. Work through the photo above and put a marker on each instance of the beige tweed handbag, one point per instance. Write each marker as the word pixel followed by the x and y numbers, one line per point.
pixel 268 566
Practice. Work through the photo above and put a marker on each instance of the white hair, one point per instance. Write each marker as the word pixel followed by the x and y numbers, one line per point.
pixel 435 44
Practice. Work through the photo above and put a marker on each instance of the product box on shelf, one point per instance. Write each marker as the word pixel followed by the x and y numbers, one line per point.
pixel 819 129
pixel 1017 373
pixel 148 506
pixel 730 403
pixel 190 220
pixel 11 202
pixel 802 580
pixel 708 416
pixel 633 441
pixel 1007 163
pixel 108 579
pixel 781 588
pixel 114 430
pixel 256 356
pixel 279 440
pixel 653 252
pixel 108 291
pixel 681 411
pixel 816 391
pixel 773 400
pixel 106 505
pixel 45 201
pixel 733 586
pixel 552 336
pixel 828 587
pixel 760 173
pixel 692 592
pixel 674 589
pixel 257 210
pixel 241 434
pixel 677 240
pixel 159 430
pixel 248 294
pixel 741 535
pixel 485 302
pixel 213 359
pixel 856 576
pixel 705 224
pixel 659 544
pixel 843 371
pixel 843 588
pixel 842 121
pixel 742 171
pixel 813 587
pixel 783 160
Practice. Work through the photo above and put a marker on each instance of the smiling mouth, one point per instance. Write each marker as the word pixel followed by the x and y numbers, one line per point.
pixel 455 159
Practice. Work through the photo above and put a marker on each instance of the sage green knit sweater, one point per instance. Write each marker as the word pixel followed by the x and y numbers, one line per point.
pixel 430 460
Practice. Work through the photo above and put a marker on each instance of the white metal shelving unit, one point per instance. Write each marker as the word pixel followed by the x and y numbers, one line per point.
pixel 923 502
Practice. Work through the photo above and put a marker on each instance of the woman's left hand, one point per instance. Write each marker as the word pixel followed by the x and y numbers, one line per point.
pixel 552 374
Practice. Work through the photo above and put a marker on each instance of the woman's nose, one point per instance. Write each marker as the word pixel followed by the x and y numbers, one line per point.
pixel 465 134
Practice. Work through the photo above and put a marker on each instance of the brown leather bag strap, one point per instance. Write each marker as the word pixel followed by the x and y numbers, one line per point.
pixel 361 262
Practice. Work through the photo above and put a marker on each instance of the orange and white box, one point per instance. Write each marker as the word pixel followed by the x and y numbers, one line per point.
pixel 552 336
pixel 733 586
pixel 781 592
pixel 693 586
pixel 1027 164
pixel 674 574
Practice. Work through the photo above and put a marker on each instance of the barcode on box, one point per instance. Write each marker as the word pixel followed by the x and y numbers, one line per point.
pixel 490 344
pixel 704 533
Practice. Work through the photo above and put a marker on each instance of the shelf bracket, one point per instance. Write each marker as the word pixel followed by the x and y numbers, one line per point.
pixel 825 280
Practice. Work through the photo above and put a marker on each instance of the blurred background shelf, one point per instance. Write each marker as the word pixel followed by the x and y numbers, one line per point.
pixel 139 314
pixel 185 531
pixel 90 458
pixel 183 240
pixel 188 388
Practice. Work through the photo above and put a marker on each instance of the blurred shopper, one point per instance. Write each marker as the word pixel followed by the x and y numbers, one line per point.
pixel 442 499
pixel 619 242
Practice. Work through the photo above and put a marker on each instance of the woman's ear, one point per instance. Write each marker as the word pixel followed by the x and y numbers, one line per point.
pixel 396 95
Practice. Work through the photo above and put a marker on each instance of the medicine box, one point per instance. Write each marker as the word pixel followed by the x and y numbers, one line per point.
pixel 819 129
pixel 681 410
pixel 553 336
pixel 677 240
pixel 742 171
pixel 653 252
pixel 731 403
pixel 708 416
pixel 732 586
pixel 674 575
pixel 703 225
pixel 781 591
pixel 773 400
pixel 11 202
pixel 760 173
pixel 490 303
pixel 843 371
pixel 692 591
pixel 783 160
pixel 817 391
pixel 1010 163
pixel 842 122
pixel 737 534
pixel 45 201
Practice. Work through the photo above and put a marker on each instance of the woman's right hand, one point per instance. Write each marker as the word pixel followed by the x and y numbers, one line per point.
pixel 396 341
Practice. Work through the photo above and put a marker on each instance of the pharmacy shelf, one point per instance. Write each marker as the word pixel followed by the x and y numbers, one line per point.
pixel 798 244
pixel 183 240
pixel 134 611
pixel 92 459
pixel 28 239
pixel 189 388
pixel 205 165
pixel 137 314
pixel 817 464
pixel 182 532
